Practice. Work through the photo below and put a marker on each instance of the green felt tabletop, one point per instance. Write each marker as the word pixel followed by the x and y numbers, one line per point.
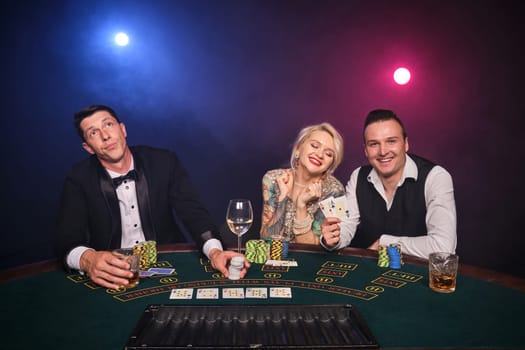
pixel 57 310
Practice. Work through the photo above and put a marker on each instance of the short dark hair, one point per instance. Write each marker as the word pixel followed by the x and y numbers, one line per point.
pixel 88 111
pixel 379 115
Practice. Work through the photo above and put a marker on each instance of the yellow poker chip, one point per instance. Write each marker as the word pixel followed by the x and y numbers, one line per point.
pixel 276 250
pixel 383 260
pixel 148 253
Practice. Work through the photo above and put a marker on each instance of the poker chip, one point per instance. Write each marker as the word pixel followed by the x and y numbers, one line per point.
pixel 235 268
pixel 256 250
pixel 276 249
pixel 383 260
pixel 268 241
pixel 148 253
pixel 284 253
pixel 394 256
pixel 398 246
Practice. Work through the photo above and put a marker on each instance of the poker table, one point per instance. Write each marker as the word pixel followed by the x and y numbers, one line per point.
pixel 44 307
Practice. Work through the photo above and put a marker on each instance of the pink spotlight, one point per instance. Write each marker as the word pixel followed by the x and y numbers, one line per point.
pixel 402 76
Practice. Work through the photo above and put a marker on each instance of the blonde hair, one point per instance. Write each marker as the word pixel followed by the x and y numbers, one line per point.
pixel 327 127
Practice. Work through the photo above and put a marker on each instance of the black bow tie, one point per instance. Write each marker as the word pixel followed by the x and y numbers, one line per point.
pixel 131 175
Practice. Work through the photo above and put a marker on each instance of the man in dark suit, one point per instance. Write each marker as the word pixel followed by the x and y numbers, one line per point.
pixel 123 195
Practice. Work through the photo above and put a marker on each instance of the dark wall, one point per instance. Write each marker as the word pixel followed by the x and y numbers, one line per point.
pixel 228 84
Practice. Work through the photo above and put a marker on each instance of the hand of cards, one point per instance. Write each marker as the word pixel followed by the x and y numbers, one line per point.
pixel 334 207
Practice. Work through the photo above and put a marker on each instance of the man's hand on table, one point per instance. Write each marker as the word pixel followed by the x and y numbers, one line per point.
pixel 105 269
pixel 331 231
pixel 374 246
pixel 220 260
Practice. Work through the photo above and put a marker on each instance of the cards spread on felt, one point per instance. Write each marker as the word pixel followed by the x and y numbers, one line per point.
pixel 208 293
pixel 183 293
pixel 256 293
pixel 276 292
pixel 232 293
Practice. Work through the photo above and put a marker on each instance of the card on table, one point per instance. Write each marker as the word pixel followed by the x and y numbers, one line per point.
pixel 256 293
pixel 183 293
pixel 146 273
pixel 161 271
pixel 271 262
pixel 233 293
pixel 278 292
pixel 208 293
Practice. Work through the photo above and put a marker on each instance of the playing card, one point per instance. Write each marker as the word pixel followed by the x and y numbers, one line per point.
pixel 271 262
pixel 341 210
pixel 256 293
pixel 280 292
pixel 233 293
pixel 146 273
pixel 208 293
pixel 327 207
pixel 161 271
pixel 184 293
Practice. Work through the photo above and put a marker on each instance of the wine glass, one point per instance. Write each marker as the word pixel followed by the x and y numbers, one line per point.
pixel 239 218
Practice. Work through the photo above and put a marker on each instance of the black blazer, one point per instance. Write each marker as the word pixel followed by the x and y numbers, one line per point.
pixel 89 212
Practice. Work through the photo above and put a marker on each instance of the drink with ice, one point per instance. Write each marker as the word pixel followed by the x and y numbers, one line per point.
pixel 442 272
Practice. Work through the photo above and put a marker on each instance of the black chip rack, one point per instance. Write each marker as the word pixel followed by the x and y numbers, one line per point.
pixel 251 327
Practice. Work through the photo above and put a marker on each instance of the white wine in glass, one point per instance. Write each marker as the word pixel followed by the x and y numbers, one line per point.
pixel 239 218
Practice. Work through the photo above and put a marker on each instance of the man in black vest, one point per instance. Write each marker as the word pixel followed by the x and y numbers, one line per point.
pixel 398 198
pixel 123 195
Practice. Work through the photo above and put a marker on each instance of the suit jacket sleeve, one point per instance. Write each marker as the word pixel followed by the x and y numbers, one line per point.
pixel 72 225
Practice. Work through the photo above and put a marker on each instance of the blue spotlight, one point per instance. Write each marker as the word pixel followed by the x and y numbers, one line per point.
pixel 121 39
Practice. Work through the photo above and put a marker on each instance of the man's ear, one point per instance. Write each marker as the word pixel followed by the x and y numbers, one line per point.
pixel 406 144
pixel 123 128
pixel 88 148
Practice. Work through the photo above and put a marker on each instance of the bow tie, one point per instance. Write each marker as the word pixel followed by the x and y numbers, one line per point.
pixel 131 175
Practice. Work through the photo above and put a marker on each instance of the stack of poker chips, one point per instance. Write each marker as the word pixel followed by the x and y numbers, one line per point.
pixel 268 241
pixel 256 250
pixel 285 250
pixel 383 260
pixel 278 249
pixel 235 268
pixel 148 253
pixel 394 256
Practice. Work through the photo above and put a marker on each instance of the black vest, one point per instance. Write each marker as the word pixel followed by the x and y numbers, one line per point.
pixel 407 213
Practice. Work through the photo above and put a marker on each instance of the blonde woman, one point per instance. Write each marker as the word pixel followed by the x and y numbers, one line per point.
pixel 291 196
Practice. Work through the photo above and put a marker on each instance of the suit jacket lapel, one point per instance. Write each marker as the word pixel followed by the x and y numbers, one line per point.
pixel 110 196
pixel 141 186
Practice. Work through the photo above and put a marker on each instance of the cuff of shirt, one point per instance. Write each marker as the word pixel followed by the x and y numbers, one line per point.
pixel 321 241
pixel 386 240
pixel 209 245
pixel 73 258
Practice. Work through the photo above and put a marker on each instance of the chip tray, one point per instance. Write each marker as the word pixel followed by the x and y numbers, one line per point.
pixel 251 327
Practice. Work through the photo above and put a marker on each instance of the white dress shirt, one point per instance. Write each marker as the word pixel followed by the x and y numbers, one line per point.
pixel 440 217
